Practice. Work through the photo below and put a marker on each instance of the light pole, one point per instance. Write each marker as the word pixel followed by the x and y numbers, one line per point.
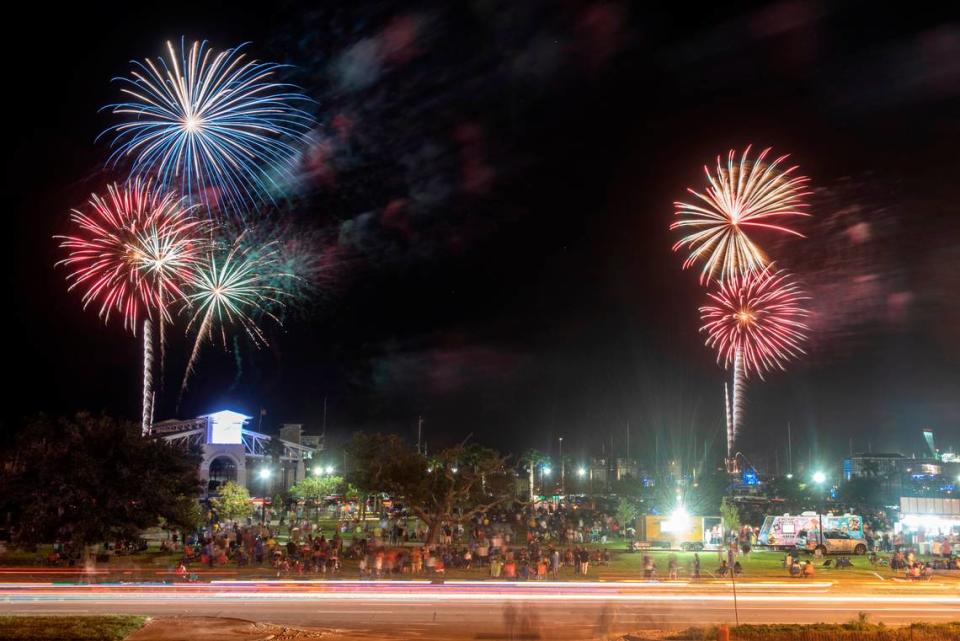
pixel 820 478
pixel 265 477
pixel 562 470
pixel 544 471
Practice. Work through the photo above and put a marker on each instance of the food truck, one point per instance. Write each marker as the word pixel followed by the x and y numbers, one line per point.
pixel 780 532
pixel 680 530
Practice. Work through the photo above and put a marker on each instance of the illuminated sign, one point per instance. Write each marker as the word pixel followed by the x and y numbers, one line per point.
pixel 225 427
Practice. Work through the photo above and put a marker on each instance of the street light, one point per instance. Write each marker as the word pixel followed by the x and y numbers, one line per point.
pixel 329 469
pixel 544 471
pixel 820 478
pixel 265 477
pixel 581 472
pixel 562 469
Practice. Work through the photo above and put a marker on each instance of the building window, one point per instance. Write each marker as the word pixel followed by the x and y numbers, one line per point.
pixel 222 469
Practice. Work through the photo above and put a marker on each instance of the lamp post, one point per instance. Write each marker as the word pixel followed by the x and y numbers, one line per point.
pixel 265 477
pixel 562 470
pixel 820 478
pixel 544 471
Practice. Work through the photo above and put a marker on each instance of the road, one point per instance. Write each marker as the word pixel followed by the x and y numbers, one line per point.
pixel 491 610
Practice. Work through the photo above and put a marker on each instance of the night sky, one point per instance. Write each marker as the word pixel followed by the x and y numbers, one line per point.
pixel 490 192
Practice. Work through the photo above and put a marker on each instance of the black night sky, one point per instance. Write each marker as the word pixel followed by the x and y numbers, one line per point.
pixel 491 190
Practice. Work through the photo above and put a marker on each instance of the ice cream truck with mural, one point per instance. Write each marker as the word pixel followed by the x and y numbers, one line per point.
pixel 788 531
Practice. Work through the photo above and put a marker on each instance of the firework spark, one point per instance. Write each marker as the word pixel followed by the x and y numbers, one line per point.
pixel 749 195
pixel 217 127
pixel 755 321
pixel 300 264
pixel 233 287
pixel 133 251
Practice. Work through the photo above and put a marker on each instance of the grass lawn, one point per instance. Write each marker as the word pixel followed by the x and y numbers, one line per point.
pixel 759 564
pixel 69 628
pixel 155 565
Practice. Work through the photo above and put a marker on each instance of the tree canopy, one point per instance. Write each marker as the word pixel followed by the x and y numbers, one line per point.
pixel 90 479
pixel 316 488
pixel 232 502
pixel 453 485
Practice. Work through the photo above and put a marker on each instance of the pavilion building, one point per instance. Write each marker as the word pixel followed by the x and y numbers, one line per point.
pixel 234 452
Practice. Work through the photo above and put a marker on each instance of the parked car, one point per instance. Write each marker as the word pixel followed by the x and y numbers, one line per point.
pixel 832 542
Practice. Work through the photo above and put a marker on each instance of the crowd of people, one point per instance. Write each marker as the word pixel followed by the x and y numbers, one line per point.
pixel 508 544
pixel 256 544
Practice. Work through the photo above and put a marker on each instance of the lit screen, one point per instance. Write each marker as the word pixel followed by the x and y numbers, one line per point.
pixel 226 427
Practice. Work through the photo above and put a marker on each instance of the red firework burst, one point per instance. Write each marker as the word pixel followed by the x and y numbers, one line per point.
pixel 758 315
pixel 133 251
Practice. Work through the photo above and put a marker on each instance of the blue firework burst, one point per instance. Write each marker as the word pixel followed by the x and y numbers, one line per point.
pixel 216 126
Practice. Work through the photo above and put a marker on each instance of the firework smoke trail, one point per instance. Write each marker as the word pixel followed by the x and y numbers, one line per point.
pixel 231 290
pixel 730 432
pixel 737 398
pixel 147 417
pixel 238 363
pixel 752 195
pixel 133 251
pixel 212 125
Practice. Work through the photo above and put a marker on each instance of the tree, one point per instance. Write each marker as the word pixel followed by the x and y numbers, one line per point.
pixel 86 480
pixel 531 460
pixel 456 484
pixel 730 515
pixel 186 516
pixel 316 489
pixel 279 505
pixel 626 513
pixel 233 502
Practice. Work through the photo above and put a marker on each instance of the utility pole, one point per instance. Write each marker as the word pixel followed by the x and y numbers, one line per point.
pixel 789 450
pixel 628 440
pixel 419 432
